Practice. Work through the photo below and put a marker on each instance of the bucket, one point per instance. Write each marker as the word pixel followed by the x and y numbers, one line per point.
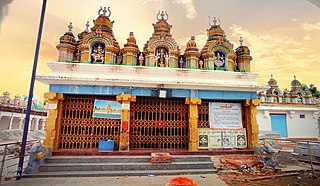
pixel 106 145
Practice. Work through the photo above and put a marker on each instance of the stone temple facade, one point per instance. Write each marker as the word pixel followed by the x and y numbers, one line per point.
pixel 165 93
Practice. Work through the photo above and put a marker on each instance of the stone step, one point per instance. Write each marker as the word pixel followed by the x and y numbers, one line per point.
pixel 56 167
pixel 125 159
pixel 119 173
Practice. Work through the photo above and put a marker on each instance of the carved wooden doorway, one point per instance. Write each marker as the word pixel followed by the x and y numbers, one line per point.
pixel 159 123
pixel 79 130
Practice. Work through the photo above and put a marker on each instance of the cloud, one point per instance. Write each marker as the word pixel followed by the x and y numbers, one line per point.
pixel 48 51
pixel 189 6
pixel 315 2
pixel 307 37
pixel 191 12
pixel 4 9
pixel 281 55
pixel 147 1
pixel 308 26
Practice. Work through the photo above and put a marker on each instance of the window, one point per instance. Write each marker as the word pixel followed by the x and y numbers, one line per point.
pixel 302 116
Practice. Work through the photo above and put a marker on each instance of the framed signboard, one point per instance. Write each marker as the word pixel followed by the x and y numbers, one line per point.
pixel 225 115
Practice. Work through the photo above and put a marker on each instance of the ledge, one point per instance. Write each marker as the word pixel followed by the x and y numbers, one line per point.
pixel 151 77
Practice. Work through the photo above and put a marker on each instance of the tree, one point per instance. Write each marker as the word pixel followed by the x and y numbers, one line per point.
pixel 314 90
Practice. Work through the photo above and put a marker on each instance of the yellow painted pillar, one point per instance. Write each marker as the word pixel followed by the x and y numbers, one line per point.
pixel 125 120
pixel 55 106
pixel 193 122
pixel 108 58
pixel 251 120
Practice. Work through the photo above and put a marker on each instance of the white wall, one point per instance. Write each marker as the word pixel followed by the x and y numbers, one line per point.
pixel 302 127
pixel 36 121
pixel 296 127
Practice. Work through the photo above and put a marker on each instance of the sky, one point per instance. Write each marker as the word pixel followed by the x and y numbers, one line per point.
pixel 283 35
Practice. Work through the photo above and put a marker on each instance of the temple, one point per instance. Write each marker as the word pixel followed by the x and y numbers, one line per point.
pixel 282 113
pixel 157 97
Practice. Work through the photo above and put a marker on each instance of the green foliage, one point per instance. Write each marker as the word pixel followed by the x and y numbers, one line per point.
pixel 314 90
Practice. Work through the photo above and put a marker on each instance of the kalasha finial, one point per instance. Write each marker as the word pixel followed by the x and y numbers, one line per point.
pixel 215 21
pixel 104 11
pixel 271 76
pixel 70 27
pixel 162 15
pixel 241 41
pixel 295 77
pixel 87 27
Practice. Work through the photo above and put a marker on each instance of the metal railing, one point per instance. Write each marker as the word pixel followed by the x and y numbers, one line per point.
pixel 300 148
pixel 10 153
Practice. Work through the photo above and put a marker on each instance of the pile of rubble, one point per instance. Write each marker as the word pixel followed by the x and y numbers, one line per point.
pixel 249 170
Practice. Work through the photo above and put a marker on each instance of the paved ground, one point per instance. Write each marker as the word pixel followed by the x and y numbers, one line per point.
pixel 200 180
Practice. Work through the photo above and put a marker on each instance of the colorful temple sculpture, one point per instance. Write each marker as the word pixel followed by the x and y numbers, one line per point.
pixel 154 98
pixel 13 113
pixel 286 113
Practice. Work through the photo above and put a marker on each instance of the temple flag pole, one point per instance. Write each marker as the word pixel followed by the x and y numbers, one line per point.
pixel 33 76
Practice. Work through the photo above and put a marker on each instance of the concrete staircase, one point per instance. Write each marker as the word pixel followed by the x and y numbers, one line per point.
pixel 94 166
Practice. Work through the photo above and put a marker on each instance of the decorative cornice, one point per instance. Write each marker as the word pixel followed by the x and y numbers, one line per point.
pixel 137 76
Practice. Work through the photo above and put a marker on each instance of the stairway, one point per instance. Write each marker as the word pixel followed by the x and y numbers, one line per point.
pixel 94 166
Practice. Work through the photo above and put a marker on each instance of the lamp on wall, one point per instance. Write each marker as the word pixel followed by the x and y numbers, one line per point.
pixel 162 93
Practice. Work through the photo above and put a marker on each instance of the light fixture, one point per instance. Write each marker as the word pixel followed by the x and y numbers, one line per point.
pixel 162 93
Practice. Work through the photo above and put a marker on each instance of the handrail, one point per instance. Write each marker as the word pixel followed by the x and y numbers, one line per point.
pixel 12 163
pixel 17 142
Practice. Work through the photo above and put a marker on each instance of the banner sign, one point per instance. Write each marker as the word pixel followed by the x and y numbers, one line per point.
pixel 225 115
pixel 212 138
pixel 107 109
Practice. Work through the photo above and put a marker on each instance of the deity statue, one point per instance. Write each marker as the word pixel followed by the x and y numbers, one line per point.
pixel 141 59
pixel 78 55
pixel 160 56
pixel 181 62
pixel 219 60
pixel 201 63
pixel 98 54
pixel 119 59
pixel 167 60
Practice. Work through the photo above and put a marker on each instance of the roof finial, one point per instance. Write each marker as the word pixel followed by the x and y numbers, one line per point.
pixel 99 12
pixel 241 42
pixel 70 27
pixel 104 11
pixel 109 12
pixel 87 27
pixel 294 77
pixel 210 21
pixel 271 76
pixel 162 15
pixel 215 21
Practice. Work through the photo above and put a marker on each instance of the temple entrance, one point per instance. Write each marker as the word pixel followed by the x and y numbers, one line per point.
pixel 79 130
pixel 159 123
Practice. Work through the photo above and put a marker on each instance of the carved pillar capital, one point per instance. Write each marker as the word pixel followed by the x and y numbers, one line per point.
pixel 126 98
